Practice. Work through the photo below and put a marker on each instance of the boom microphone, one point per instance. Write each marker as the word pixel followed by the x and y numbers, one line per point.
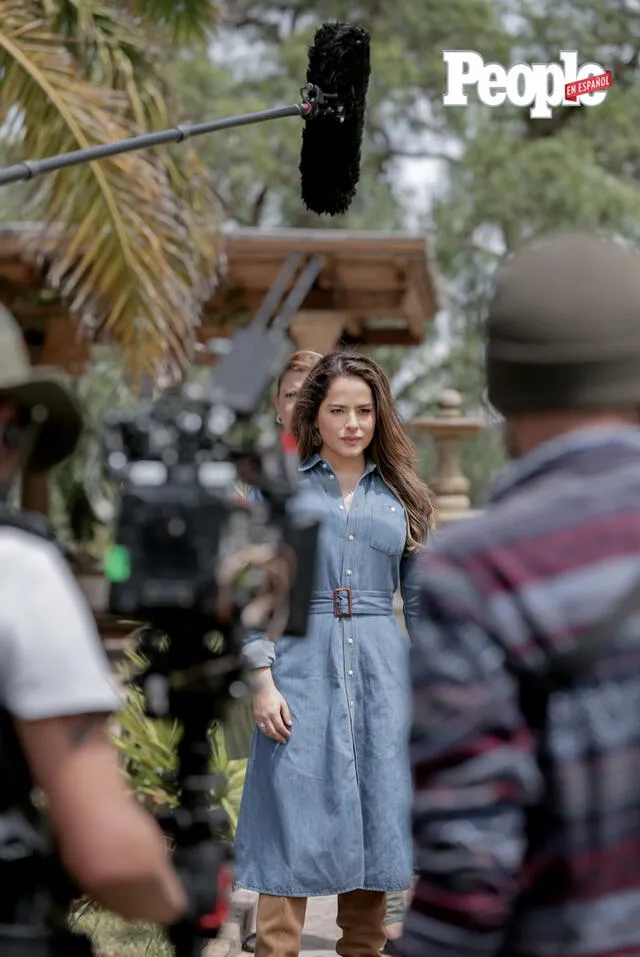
pixel 339 65
pixel 333 107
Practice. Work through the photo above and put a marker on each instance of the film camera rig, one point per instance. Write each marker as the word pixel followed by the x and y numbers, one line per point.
pixel 180 523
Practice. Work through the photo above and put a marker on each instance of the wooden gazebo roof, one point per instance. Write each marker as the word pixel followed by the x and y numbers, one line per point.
pixel 374 288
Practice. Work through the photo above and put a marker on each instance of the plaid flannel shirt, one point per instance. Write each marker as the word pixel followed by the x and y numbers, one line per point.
pixel 528 843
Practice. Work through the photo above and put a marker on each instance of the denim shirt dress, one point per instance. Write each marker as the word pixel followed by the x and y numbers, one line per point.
pixel 329 811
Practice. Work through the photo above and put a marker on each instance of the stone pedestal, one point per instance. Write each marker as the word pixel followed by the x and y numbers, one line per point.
pixel 448 430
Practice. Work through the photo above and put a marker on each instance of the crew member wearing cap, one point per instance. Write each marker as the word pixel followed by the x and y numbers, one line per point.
pixel 528 833
pixel 56 688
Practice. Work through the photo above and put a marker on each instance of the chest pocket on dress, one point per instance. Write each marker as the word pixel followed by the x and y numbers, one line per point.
pixel 388 528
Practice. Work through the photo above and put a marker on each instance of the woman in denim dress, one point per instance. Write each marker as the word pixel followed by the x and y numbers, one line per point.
pixel 326 804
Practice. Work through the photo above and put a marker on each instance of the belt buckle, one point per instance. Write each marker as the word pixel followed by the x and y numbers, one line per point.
pixel 337 611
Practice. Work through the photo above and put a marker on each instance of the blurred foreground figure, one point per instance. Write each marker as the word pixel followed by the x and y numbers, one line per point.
pixel 527 806
pixel 57 697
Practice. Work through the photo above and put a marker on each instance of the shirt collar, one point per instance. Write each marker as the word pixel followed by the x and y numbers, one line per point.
pixel 316 459
pixel 551 454
pixel 312 461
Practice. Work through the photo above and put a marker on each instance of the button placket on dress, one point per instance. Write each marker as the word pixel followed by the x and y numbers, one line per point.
pixel 348 624
pixel 348 560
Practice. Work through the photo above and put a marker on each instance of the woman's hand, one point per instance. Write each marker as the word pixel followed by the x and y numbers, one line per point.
pixel 269 708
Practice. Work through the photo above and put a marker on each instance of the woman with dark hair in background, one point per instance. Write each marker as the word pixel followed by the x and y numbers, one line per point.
pixel 287 388
pixel 290 383
pixel 240 724
pixel 326 803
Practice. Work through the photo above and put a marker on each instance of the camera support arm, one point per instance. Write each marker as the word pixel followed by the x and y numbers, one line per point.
pixel 188 677
pixel 248 370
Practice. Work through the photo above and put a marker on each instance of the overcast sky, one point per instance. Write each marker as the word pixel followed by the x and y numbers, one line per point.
pixel 423 179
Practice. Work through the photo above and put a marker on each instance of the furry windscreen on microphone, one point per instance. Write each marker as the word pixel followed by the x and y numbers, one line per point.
pixel 339 64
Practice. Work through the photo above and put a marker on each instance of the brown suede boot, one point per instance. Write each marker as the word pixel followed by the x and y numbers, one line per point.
pixel 361 920
pixel 279 925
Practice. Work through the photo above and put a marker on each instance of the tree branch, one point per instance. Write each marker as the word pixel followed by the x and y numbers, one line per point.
pixel 389 151
pixel 269 31
pixel 258 205
pixel 538 128
pixel 396 152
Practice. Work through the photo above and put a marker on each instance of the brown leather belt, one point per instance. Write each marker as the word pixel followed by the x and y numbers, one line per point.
pixel 337 610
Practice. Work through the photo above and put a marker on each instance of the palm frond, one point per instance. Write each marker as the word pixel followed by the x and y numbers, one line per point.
pixel 186 21
pixel 127 34
pixel 106 40
pixel 135 255
pixel 122 45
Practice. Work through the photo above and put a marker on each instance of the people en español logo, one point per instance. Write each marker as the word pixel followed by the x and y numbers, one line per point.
pixel 540 86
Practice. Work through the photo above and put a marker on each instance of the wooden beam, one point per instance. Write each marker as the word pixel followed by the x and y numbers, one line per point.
pixel 381 275
pixel 422 295
pixel 390 337
pixel 16 272
pixel 64 345
pixel 367 276
pixel 371 302
pixel 34 493
pixel 353 325
pixel 319 332
pixel 251 241
pixel 412 309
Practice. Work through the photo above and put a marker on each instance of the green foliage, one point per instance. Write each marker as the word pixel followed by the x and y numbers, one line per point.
pixel 518 177
pixel 112 936
pixel 77 73
pixel 185 21
pixel 504 177
pixel 149 749
pixel 79 488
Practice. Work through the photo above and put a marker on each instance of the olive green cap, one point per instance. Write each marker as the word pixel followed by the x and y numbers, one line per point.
pixel 42 388
pixel 563 327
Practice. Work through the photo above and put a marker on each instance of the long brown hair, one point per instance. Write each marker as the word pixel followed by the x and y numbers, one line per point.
pixel 390 448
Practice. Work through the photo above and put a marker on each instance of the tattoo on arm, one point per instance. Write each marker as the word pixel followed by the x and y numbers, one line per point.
pixel 84 728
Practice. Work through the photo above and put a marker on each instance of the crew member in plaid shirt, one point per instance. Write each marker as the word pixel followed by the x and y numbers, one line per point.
pixel 528 841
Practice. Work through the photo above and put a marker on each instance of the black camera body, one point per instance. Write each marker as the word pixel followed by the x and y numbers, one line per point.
pixel 174 537
pixel 180 514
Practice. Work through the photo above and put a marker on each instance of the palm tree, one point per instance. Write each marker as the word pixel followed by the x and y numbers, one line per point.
pixel 136 235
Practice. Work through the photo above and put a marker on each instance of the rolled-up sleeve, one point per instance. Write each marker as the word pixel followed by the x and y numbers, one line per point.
pixel 258 651
pixel 410 592
pixel 410 582
pixel 474 773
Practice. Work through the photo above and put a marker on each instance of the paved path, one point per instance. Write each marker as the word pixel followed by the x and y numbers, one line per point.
pixel 320 930
pixel 318 940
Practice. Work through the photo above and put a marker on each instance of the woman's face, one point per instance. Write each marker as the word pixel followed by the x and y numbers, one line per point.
pixel 346 418
pixel 286 398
